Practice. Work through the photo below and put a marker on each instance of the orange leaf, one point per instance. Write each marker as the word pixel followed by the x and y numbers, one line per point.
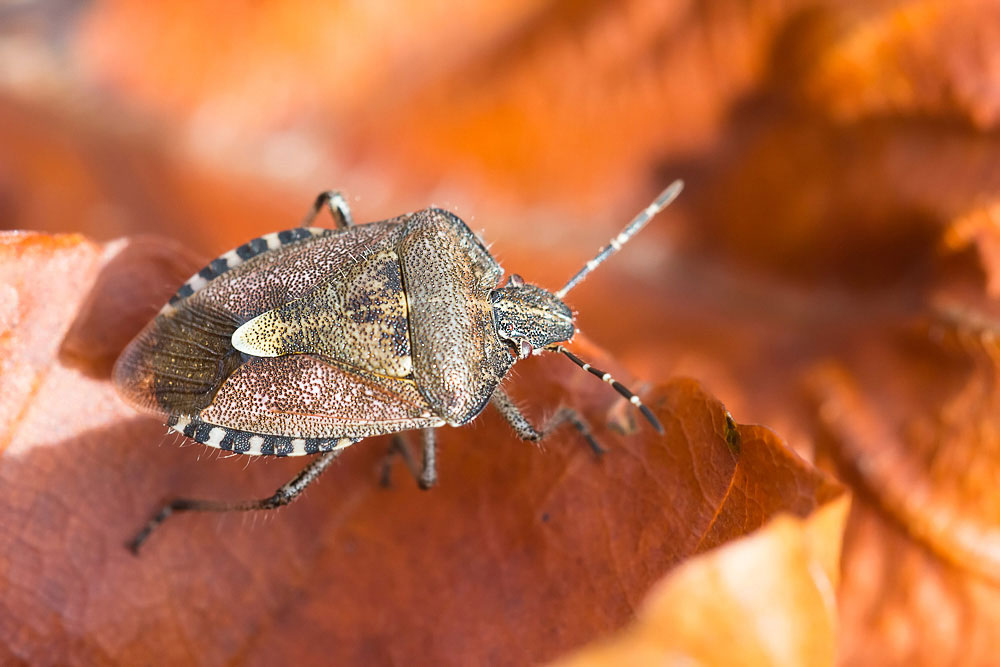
pixel 518 555
pixel 766 599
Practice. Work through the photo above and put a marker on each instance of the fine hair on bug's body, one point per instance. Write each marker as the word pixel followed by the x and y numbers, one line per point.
pixel 306 341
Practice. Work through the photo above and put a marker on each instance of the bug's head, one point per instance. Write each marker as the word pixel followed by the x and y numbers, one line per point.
pixel 528 317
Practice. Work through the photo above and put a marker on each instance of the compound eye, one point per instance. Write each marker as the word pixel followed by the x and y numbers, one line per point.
pixel 525 350
pixel 515 280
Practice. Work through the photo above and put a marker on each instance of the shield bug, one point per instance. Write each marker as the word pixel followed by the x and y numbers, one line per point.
pixel 309 340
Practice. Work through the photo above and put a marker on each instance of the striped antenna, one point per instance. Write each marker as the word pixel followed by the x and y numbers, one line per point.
pixel 616 385
pixel 638 222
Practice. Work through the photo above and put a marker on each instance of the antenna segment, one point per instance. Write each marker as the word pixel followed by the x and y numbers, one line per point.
pixel 638 222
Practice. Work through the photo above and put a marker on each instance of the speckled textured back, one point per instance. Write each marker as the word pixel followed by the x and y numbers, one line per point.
pixel 178 362
pixel 359 319
pixel 316 399
pixel 458 360
pixel 274 279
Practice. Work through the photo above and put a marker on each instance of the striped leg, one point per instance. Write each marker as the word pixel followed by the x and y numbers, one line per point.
pixel 526 431
pixel 426 475
pixel 617 386
pixel 281 497
pixel 339 210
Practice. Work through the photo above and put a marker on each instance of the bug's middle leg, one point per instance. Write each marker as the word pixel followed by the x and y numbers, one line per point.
pixel 340 211
pixel 284 495
pixel 426 474
pixel 526 431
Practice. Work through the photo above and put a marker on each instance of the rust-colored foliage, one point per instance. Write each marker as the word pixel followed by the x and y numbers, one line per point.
pixel 831 271
pixel 518 555
pixel 782 577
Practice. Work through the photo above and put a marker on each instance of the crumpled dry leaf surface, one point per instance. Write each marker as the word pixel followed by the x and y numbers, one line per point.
pixel 766 599
pixel 831 270
pixel 519 554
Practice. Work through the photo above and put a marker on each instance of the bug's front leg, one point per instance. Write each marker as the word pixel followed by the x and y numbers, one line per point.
pixel 526 431
pixel 426 474
pixel 340 211
pixel 284 495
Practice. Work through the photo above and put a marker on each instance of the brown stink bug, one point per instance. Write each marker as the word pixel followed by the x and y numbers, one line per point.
pixel 309 340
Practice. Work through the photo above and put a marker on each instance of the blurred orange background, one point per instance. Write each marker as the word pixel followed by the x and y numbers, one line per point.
pixel 830 271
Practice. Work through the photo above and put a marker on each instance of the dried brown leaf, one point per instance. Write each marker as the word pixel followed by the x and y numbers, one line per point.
pixel 518 555
pixel 766 599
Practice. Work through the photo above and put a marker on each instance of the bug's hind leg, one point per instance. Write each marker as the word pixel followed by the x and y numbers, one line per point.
pixel 339 209
pixel 284 495
pixel 426 474
pixel 526 431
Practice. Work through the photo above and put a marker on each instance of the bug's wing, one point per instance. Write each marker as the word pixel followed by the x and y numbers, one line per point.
pixel 358 319
pixel 307 396
pixel 178 362
pixel 285 271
